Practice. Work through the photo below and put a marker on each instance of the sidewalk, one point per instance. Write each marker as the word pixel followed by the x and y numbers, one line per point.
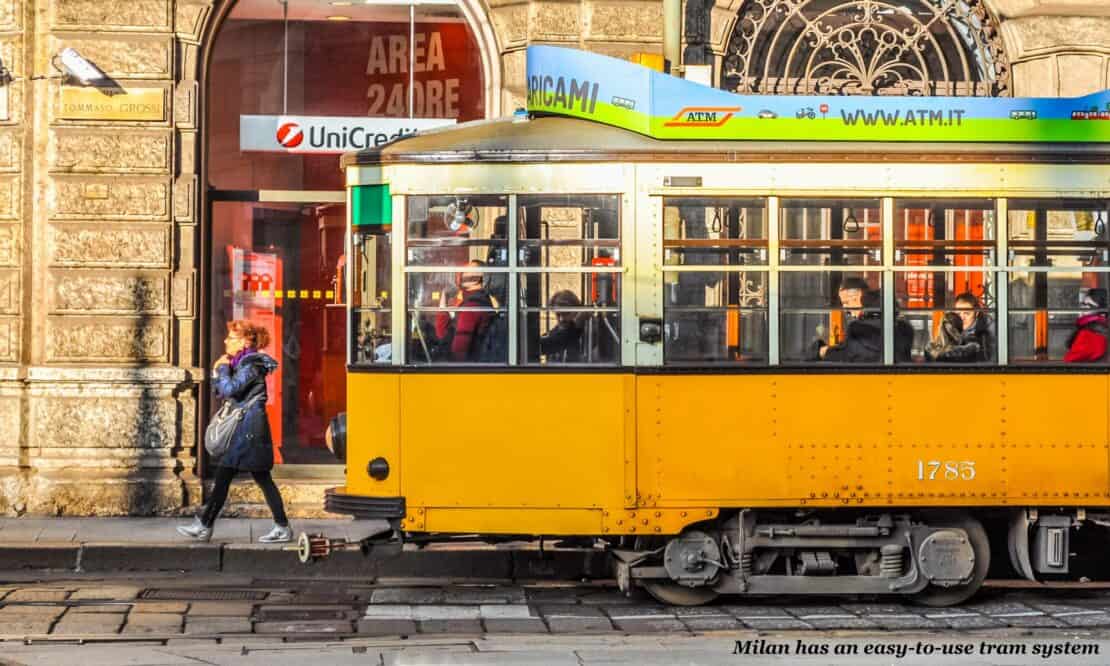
pixel 106 545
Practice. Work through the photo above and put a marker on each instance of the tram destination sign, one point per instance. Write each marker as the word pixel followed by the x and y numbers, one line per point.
pixel 326 134
pixel 575 83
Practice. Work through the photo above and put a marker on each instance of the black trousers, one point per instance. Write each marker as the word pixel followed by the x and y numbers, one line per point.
pixel 224 477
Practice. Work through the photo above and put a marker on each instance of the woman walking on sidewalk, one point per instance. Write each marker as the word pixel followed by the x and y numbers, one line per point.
pixel 240 375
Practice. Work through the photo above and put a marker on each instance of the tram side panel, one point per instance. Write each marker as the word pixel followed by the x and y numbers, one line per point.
pixel 872 440
pixel 513 453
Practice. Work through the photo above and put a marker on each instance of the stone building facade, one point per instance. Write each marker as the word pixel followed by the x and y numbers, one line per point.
pixel 102 337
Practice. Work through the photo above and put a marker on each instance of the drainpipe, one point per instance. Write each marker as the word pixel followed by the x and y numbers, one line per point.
pixel 672 36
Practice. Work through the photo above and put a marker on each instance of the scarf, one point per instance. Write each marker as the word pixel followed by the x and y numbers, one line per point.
pixel 239 357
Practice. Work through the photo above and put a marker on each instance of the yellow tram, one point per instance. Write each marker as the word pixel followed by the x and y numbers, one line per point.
pixel 671 371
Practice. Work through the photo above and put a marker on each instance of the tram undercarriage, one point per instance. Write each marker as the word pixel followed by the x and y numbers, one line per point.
pixel 937 558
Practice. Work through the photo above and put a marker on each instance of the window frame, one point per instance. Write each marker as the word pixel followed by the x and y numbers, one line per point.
pixel 402 271
pixel 761 268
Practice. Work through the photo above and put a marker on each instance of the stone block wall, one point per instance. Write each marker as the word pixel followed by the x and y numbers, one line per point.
pixel 100 225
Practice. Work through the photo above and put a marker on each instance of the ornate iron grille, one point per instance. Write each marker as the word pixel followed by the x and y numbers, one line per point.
pixel 866 47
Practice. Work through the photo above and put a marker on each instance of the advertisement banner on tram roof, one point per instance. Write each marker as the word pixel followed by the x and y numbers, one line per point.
pixel 575 83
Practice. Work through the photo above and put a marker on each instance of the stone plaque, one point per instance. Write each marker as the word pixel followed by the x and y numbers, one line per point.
pixel 133 104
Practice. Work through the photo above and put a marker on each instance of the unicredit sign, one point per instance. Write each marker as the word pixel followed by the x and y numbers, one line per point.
pixel 326 134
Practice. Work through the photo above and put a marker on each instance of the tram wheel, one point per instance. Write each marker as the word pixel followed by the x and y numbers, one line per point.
pixel 937 596
pixel 667 591
pixel 674 594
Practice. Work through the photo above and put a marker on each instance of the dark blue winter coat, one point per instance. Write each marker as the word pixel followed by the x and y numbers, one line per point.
pixel 252 445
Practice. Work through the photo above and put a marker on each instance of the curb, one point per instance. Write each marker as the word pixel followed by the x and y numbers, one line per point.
pixel 478 563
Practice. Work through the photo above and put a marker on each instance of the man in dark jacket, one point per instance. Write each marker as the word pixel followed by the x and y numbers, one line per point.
pixel 563 343
pixel 863 339
pixel 975 343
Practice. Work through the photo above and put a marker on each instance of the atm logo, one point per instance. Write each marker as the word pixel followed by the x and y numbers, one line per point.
pixel 290 135
pixel 702 116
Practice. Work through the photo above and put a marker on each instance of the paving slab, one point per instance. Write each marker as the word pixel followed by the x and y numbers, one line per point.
pixel 106 593
pixel 94 608
pixel 718 622
pixel 484 595
pixel 1030 621
pixel 965 621
pixel 90 623
pixel 515 626
pixel 153 623
pixel 213 625
pixel 568 619
pixel 1087 619
pixel 221 608
pixel 781 623
pixel 178 607
pixel 335 627
pixel 27 594
pixel 904 621
pixel 26 627
pixel 460 626
pixel 408 595
pixel 386 627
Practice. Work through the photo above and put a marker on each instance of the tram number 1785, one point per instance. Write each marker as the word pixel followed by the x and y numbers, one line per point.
pixel 945 470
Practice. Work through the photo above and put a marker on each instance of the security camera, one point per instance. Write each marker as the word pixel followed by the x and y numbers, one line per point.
pixel 77 67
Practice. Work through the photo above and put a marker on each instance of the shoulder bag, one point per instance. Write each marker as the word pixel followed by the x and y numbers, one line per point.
pixel 217 437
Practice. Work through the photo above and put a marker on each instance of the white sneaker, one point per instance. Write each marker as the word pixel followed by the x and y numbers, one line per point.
pixel 277 535
pixel 196 530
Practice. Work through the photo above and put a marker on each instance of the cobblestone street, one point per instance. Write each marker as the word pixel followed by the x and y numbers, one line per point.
pixel 42 617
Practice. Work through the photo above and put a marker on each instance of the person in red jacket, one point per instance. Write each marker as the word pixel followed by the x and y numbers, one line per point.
pixel 1088 343
pixel 462 333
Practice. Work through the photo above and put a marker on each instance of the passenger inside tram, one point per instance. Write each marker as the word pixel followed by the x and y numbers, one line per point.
pixel 863 341
pixel 466 334
pixel 968 337
pixel 563 342
pixel 1087 343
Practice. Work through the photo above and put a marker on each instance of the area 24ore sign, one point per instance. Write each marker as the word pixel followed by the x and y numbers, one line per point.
pixel 616 92
pixel 326 134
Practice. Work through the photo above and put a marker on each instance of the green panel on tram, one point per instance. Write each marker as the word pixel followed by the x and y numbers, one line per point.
pixel 371 205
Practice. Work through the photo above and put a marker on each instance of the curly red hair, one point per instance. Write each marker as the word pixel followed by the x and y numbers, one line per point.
pixel 256 336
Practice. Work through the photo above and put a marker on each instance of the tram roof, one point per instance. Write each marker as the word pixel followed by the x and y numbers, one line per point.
pixel 561 139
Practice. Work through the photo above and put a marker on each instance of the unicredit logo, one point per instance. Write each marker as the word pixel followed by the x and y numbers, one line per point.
pixel 290 135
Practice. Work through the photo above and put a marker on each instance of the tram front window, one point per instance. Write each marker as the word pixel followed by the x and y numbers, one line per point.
pixel 371 297
pixel 714 315
pixel 569 284
pixel 457 312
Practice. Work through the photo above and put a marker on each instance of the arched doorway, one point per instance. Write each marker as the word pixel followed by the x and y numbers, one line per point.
pixel 855 47
pixel 287 87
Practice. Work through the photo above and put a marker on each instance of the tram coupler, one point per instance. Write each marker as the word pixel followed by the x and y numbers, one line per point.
pixel 312 547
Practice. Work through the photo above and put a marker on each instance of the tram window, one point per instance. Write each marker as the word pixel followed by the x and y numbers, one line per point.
pixel 570 318
pixel 1058 304
pixel 831 232
pixel 949 303
pixel 715 317
pixel 714 231
pixel 371 297
pixel 944 232
pixel 951 315
pixel 450 230
pixel 569 230
pixel 831 317
pixel 453 318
